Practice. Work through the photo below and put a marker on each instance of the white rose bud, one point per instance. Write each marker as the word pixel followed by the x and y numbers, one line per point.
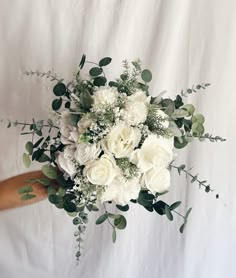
pixel 104 95
pixel 86 152
pixel 122 140
pixel 157 181
pixel 155 152
pixel 101 171
pixel 121 191
pixel 65 161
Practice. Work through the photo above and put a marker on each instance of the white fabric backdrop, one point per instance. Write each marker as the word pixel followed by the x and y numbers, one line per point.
pixel 183 42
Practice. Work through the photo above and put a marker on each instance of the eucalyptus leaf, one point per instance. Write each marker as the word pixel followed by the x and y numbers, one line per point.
pixel 59 89
pixel 179 113
pixel 120 223
pixel 27 197
pixel 198 118
pixel 105 61
pixel 168 213
pixel 123 208
pixel 95 71
pixel 174 130
pixel 49 171
pixel 82 62
pixel 25 189
pixel 101 219
pixel 198 129
pixel 29 147
pixel 146 75
pixel 86 100
pixel 175 205
pixel 54 199
pixel 99 81
pixel 114 235
pixel 190 108
pixel 26 160
pixel 56 104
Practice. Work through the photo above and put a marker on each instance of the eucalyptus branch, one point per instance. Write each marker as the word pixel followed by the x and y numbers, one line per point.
pixel 89 62
pixel 207 136
pixel 48 74
pixel 194 89
pixel 108 217
pixel 194 178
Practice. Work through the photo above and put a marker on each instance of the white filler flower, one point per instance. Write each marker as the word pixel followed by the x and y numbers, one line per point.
pixel 104 95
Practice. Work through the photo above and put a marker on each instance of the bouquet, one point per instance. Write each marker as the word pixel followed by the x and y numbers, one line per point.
pixel 109 144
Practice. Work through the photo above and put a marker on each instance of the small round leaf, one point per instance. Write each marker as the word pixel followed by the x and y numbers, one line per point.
pixel 95 71
pixel 59 89
pixel 104 62
pixel 146 75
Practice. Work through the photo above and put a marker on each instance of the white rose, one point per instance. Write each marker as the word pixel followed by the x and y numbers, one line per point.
pixel 155 152
pixel 69 134
pixel 121 191
pixel 122 140
pixel 66 161
pixel 101 171
pixel 104 95
pixel 156 180
pixel 86 152
pixel 84 123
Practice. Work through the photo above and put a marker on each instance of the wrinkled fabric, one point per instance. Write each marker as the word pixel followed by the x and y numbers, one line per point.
pixel 182 42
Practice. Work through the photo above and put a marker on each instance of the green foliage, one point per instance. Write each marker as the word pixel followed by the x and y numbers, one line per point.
pixel 114 235
pixel 96 71
pixel 82 62
pixel 99 81
pixel 105 61
pixel 27 197
pixel 29 147
pixel 56 104
pixel 25 189
pixel 55 199
pixel 59 89
pixel 26 160
pixel 146 75
pixel 49 171
pixel 120 222
pixel 86 100
pixel 123 208
pixel 102 218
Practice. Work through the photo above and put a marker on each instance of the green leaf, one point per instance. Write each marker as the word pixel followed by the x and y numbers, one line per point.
pixel 114 216
pixel 169 106
pixel 190 108
pixel 105 61
pixel 49 171
pixel 56 104
pixel 25 189
pixel 113 84
pixel 114 235
pixel 44 181
pixel 37 154
pixel 180 142
pixel 26 160
pixel 54 199
pixel 168 213
pixel 43 158
pixel 145 199
pixel 27 197
pixel 179 113
pixel 175 205
pixel 159 207
pixel 198 118
pixel 178 102
pixel 187 214
pixel 38 142
pixel 59 89
pixel 99 81
pixel 77 221
pixel 120 222
pixel 198 129
pixel 146 75
pixel 181 229
pixel 101 219
pixel 173 128
pixel 86 100
pixel 82 61
pixel 123 208
pixel 29 147
pixel 95 71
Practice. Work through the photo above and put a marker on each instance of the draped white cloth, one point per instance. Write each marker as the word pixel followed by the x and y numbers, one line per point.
pixel 182 42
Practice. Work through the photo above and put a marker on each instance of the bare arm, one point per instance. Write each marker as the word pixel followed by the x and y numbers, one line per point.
pixel 9 196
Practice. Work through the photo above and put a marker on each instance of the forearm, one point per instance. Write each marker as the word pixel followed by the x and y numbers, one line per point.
pixel 9 196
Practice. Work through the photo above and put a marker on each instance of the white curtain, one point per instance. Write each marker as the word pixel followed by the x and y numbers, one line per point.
pixel 183 42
